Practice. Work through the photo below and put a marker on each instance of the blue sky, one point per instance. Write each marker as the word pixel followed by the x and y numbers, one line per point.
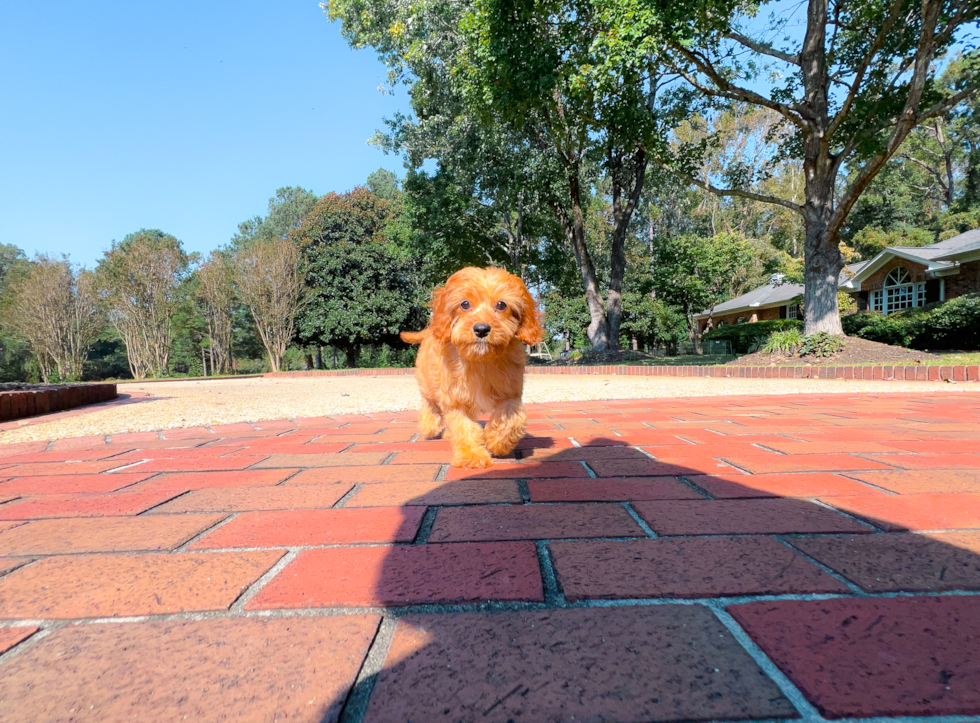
pixel 181 116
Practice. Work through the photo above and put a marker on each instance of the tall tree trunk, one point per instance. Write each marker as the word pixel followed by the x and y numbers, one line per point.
pixel 823 267
pixel 574 226
pixel 350 356
pixel 627 179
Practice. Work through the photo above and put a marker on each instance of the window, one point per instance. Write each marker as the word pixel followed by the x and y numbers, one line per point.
pixel 898 293
pixel 791 311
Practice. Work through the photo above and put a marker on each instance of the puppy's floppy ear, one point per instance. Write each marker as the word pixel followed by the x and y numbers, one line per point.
pixel 442 323
pixel 530 331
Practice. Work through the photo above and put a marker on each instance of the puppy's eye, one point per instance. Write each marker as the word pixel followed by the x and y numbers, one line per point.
pixel 465 306
pixel 501 306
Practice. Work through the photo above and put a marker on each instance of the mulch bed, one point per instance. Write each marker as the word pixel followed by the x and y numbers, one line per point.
pixel 857 351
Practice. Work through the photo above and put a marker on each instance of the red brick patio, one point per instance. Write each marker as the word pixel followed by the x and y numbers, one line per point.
pixel 726 558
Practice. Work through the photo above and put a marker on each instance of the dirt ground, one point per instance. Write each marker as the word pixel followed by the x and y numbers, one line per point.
pixel 857 351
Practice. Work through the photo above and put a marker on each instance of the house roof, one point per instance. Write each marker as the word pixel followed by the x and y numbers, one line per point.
pixel 766 295
pixel 937 256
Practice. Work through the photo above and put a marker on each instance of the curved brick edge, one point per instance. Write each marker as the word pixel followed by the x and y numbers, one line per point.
pixel 29 403
pixel 881 373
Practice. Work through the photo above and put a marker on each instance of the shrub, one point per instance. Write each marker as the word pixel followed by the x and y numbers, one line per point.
pixel 782 342
pixel 954 324
pixel 742 336
pixel 821 344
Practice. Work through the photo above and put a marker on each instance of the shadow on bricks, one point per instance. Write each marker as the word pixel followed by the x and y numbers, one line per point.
pixel 574 602
pixel 765 572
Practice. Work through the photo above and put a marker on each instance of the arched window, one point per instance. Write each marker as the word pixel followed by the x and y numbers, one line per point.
pixel 898 292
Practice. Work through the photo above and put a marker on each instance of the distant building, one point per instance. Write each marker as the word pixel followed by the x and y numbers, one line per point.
pixel 900 277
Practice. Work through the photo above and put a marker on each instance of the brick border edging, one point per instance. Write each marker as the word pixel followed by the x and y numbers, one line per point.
pixel 959 373
pixel 18 404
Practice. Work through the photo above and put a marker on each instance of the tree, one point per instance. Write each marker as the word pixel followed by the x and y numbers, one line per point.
pixel 566 317
pixel 54 307
pixel 695 273
pixel 383 184
pixel 216 295
pixel 362 289
pixel 544 83
pixel 852 88
pixel 287 209
pixel 141 281
pixel 269 279
pixel 652 322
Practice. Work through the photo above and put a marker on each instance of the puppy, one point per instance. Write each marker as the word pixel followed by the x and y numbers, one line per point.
pixel 472 361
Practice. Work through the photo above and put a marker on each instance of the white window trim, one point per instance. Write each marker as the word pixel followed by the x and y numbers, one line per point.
pixel 898 293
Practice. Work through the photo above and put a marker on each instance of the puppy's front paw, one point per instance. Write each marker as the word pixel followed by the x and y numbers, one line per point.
pixel 472 460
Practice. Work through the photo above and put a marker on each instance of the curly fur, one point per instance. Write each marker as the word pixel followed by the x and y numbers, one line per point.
pixel 461 375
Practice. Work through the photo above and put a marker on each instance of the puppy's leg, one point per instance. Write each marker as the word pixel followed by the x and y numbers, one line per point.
pixel 507 425
pixel 430 421
pixel 467 440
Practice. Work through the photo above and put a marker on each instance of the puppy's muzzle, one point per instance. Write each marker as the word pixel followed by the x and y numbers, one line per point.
pixel 482 331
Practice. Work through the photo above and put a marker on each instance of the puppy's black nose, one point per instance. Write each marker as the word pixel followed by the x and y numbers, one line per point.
pixel 481 330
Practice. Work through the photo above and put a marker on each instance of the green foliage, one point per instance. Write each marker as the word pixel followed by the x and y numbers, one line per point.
pixel 695 273
pixel 872 240
pixel 652 323
pixel 898 329
pixel 782 342
pixel 287 210
pixel 954 324
pixel 566 317
pixel 742 336
pixel 845 302
pixel 821 344
pixel 383 184
pixel 363 289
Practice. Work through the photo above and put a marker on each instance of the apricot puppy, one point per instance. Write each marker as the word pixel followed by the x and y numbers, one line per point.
pixel 471 361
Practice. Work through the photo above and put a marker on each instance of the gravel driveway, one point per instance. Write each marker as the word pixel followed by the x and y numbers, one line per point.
pixel 194 403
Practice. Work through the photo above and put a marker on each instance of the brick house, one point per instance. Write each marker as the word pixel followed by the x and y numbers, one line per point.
pixel 898 278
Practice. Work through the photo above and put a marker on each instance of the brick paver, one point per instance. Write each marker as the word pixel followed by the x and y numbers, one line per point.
pixel 902 656
pixel 71 484
pixel 297 669
pixel 104 534
pixel 9 637
pixel 693 568
pixel 465 572
pixel 523 522
pixel 901 562
pixel 263 569
pixel 93 586
pixel 294 528
pixel 743 517
pixel 571 665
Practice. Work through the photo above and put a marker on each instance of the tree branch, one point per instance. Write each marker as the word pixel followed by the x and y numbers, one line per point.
pixel 932 171
pixel 731 91
pixel 764 48
pixel 905 121
pixel 738 193
pixel 862 68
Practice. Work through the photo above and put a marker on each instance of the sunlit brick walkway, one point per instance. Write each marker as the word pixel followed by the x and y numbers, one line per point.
pixel 723 558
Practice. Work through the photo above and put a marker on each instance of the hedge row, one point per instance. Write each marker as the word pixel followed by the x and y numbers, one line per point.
pixel 742 336
pixel 954 324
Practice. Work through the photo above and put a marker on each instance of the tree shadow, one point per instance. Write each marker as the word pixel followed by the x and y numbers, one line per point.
pixel 609 546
